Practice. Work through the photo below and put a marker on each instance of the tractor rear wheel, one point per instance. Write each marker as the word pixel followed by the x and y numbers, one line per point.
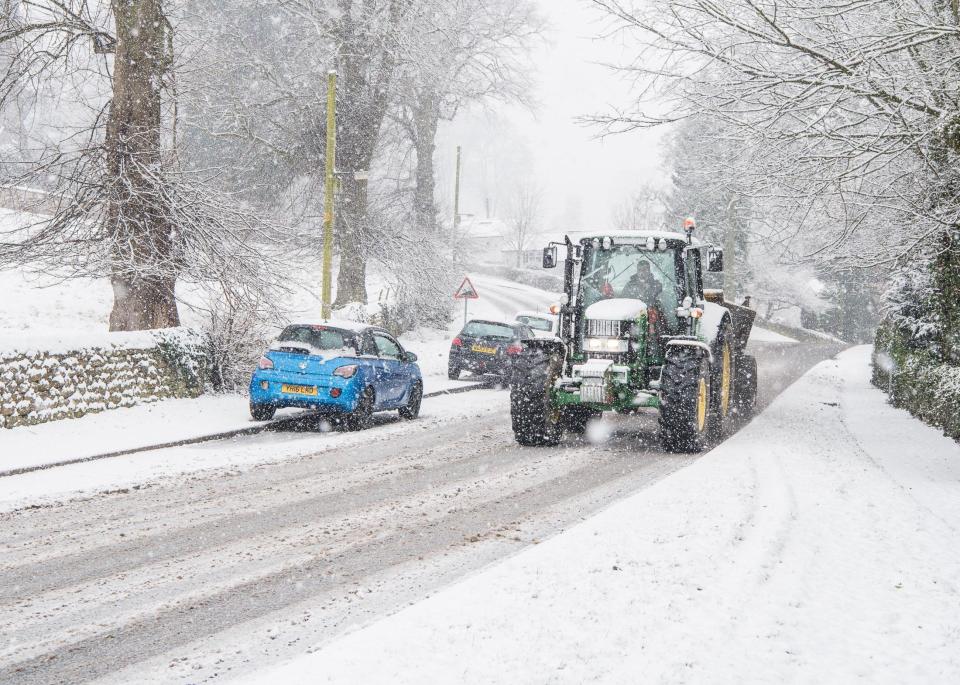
pixel 685 401
pixel 746 397
pixel 724 383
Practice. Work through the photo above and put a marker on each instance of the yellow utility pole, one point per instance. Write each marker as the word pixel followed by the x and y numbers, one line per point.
pixel 456 194
pixel 329 187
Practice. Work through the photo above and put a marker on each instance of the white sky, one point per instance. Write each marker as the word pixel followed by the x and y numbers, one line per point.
pixel 581 178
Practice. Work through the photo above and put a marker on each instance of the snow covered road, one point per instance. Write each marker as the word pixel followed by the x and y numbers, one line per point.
pixel 283 541
pixel 818 545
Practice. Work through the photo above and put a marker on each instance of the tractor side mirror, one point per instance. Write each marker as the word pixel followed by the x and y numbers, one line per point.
pixel 715 261
pixel 550 257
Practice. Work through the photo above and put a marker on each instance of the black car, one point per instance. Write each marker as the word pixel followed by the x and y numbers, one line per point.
pixel 486 347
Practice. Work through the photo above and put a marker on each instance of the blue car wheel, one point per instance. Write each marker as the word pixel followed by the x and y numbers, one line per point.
pixel 262 412
pixel 360 417
pixel 412 410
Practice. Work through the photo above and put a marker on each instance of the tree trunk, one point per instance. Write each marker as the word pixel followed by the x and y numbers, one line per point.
pixel 365 62
pixel 144 270
pixel 425 122
pixel 352 229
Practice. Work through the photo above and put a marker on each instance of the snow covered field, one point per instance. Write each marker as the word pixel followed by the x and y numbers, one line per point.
pixel 819 544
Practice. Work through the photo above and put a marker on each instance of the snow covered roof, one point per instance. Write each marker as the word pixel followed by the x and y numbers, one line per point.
pixel 638 236
pixel 539 315
pixel 482 228
pixel 627 237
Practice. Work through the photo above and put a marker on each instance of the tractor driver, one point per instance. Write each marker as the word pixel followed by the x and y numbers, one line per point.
pixel 643 285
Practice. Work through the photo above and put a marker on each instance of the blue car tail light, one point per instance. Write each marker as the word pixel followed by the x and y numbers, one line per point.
pixel 348 371
pixel 265 363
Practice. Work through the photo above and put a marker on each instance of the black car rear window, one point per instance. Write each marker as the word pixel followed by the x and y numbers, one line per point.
pixel 320 337
pixel 488 329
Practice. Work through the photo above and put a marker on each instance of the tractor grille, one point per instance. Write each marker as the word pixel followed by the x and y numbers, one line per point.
pixel 592 390
pixel 604 328
pixel 612 356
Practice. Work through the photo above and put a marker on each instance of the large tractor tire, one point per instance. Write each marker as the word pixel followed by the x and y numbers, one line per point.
pixel 685 400
pixel 746 386
pixel 723 405
pixel 536 422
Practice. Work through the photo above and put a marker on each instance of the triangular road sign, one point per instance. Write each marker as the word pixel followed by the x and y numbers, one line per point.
pixel 466 291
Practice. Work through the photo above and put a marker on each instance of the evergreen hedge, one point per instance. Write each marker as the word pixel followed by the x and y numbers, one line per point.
pixel 922 383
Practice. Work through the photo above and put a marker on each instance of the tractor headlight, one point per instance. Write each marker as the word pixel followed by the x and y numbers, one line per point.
pixel 606 345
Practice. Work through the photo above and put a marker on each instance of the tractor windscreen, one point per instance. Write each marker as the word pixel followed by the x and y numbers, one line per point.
pixel 631 271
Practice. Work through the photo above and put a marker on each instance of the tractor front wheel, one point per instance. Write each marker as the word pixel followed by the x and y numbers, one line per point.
pixel 536 422
pixel 685 401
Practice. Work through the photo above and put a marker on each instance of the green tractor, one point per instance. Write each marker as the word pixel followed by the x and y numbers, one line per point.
pixel 637 330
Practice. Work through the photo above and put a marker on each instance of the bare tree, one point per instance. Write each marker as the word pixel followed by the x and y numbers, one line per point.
pixel 839 99
pixel 462 53
pixel 524 221
pixel 125 208
pixel 643 209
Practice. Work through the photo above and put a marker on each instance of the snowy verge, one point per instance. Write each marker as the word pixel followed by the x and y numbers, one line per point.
pixel 140 427
pixel 170 464
pixel 819 544
pixel 123 429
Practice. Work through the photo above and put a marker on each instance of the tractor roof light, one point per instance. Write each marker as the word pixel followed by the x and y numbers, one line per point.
pixel 607 243
pixel 651 243
pixel 689 226
pixel 662 245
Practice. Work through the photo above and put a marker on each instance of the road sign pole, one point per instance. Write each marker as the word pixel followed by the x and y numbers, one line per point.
pixel 465 301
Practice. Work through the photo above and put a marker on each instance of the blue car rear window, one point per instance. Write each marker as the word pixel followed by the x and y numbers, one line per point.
pixel 320 337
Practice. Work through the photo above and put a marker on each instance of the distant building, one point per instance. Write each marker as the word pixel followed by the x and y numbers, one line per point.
pixel 483 241
pixel 491 241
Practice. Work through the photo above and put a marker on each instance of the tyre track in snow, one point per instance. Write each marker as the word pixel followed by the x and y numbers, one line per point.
pixel 524 485
pixel 154 570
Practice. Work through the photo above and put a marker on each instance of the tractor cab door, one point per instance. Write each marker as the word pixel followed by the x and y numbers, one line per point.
pixel 693 274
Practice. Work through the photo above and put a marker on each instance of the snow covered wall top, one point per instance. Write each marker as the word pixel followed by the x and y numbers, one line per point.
pixel 15 343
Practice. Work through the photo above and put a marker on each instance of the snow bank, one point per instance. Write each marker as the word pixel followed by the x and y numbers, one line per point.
pixel 758 334
pixel 819 544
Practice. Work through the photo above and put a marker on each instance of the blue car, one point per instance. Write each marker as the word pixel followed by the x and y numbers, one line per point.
pixel 340 368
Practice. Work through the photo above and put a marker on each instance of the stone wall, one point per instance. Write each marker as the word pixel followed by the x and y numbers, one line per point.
pixel 45 380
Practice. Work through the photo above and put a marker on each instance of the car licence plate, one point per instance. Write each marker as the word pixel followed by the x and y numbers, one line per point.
pixel 299 389
pixel 484 350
